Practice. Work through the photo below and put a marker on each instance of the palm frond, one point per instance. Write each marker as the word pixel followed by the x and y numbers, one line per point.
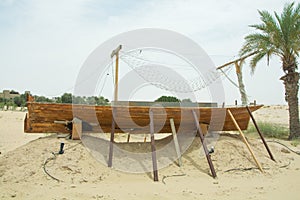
pixel 278 34
pixel 254 42
pixel 255 59
pixel 261 27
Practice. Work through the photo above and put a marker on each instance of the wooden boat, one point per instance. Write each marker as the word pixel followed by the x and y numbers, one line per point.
pixel 132 118
pixel 135 118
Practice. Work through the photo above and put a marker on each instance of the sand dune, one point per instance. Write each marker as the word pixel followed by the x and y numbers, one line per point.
pixel 80 176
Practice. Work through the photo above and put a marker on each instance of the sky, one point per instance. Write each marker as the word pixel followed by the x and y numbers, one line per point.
pixel 44 43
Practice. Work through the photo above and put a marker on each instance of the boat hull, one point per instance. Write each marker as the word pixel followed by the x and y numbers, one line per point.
pixel 43 117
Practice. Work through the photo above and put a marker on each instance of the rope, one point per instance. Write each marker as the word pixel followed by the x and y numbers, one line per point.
pixel 175 175
pixel 151 72
pixel 231 81
pixel 105 78
pixel 46 162
pixel 245 169
pixel 53 158
pixel 135 59
pixel 274 141
pixel 112 72
pixel 251 168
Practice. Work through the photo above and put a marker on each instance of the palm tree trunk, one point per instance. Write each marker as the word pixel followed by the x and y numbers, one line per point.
pixel 290 81
pixel 241 83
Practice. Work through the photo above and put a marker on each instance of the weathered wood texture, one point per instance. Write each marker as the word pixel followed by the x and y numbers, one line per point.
pixel 133 119
pixel 211 166
pixel 76 129
pixel 245 141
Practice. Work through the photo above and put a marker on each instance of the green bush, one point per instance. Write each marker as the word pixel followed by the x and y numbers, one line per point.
pixel 167 99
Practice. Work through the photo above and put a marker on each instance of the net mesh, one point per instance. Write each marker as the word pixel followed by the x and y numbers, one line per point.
pixel 153 72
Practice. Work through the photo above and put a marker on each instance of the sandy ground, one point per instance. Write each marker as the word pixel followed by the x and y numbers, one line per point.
pixel 11 131
pixel 82 177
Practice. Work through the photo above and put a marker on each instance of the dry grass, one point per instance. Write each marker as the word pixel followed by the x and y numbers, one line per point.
pixel 270 130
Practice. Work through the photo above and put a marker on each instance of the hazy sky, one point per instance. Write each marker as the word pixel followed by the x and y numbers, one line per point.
pixel 45 42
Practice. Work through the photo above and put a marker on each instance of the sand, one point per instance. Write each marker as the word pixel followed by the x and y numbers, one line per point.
pixel 11 131
pixel 82 177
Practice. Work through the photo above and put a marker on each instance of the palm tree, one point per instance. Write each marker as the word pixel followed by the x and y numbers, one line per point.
pixel 280 35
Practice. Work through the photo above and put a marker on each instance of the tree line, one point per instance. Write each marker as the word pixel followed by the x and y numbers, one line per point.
pixel 20 101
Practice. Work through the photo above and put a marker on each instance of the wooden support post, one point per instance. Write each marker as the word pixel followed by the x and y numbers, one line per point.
pixel 112 140
pixel 153 148
pixel 245 141
pixel 128 137
pixel 211 166
pixel 76 129
pixel 204 129
pixel 116 53
pixel 176 142
pixel 260 134
pixel 113 124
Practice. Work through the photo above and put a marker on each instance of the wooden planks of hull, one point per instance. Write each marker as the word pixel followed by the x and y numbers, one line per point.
pixel 41 116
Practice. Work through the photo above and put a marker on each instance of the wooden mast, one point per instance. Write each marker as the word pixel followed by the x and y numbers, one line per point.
pixel 238 66
pixel 113 123
pixel 116 53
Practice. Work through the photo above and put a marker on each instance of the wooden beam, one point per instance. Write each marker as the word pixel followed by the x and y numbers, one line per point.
pixel 128 137
pixel 204 128
pixel 116 53
pixel 26 122
pixel 211 166
pixel 153 148
pixel 76 129
pixel 112 140
pixel 260 134
pixel 237 60
pixel 177 148
pixel 245 141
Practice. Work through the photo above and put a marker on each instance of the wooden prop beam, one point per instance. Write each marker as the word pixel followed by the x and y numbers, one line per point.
pixel 76 129
pixel 211 166
pixel 245 141
pixel 112 140
pixel 204 128
pixel 153 148
pixel 177 148
pixel 128 137
pixel 260 134
pixel 65 122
